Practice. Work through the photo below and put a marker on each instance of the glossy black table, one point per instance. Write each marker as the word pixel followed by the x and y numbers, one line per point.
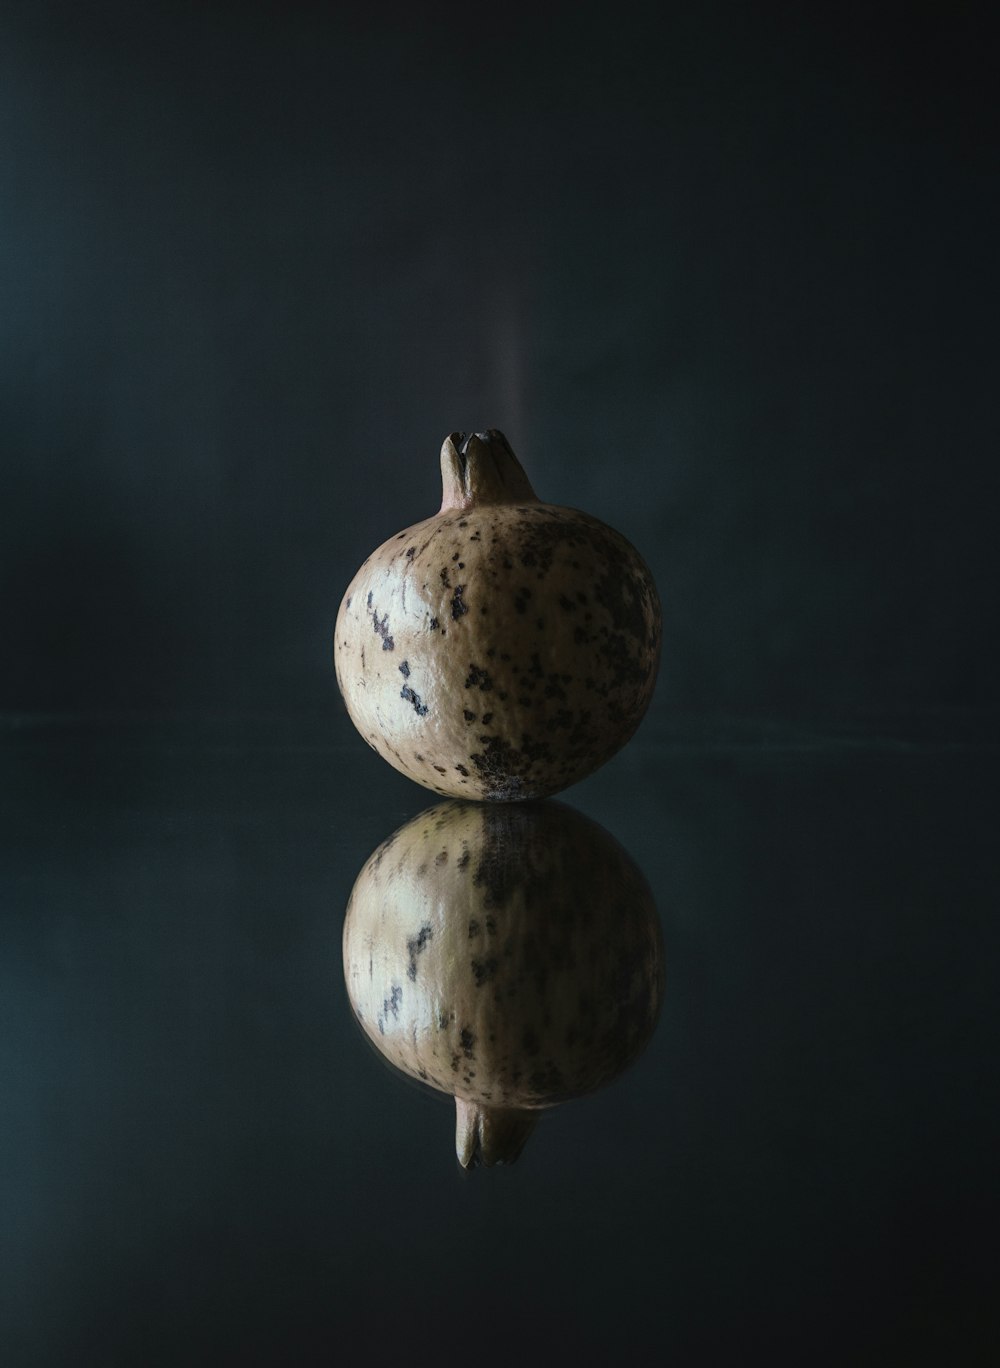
pixel 204 1161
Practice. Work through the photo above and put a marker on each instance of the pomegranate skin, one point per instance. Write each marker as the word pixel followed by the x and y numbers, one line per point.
pixel 504 648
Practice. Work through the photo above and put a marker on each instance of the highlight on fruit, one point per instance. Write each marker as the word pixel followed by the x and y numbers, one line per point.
pixel 504 648
pixel 509 956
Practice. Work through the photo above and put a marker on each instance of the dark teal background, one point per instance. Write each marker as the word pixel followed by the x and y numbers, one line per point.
pixel 725 275
pixel 721 273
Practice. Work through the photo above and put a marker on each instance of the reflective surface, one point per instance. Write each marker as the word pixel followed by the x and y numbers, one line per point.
pixel 202 1160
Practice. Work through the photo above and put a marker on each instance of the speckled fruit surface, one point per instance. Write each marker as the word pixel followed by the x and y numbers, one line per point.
pixel 508 955
pixel 504 648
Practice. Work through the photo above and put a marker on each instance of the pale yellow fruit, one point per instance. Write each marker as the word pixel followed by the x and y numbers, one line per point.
pixel 504 648
pixel 508 955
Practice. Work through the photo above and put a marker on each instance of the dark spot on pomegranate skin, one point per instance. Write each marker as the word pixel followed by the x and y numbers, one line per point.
pixel 458 607
pixel 411 551
pixel 445 579
pixel 478 678
pixel 381 629
pixel 390 1007
pixel 434 624
pixel 404 669
pixel 414 947
pixel 419 707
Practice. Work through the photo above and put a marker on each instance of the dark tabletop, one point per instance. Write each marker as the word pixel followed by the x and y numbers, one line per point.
pixel 203 1159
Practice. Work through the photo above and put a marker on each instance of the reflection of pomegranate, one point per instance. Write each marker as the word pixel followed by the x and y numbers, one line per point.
pixel 508 955
pixel 504 648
